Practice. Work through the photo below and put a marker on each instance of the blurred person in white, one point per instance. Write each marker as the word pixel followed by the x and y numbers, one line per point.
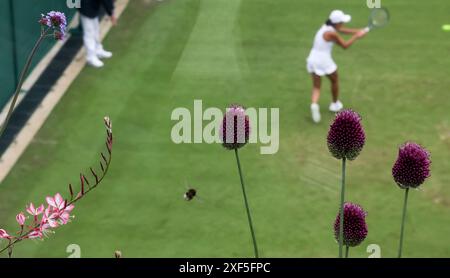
pixel 89 16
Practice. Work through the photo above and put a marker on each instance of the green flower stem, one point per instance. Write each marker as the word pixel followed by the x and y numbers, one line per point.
pixel 21 80
pixel 255 246
pixel 346 250
pixel 23 235
pixel 341 222
pixel 400 248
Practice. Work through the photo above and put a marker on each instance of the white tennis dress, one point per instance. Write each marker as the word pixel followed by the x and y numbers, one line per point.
pixel 320 60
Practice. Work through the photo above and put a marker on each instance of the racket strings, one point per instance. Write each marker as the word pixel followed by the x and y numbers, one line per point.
pixel 379 18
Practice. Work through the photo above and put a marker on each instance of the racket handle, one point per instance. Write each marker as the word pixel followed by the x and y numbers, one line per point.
pixel 367 29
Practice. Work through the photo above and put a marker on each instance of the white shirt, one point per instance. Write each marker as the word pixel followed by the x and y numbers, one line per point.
pixel 320 44
pixel 320 60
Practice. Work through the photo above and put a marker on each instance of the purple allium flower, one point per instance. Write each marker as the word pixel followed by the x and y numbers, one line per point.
pixel 412 166
pixel 235 129
pixel 355 227
pixel 346 136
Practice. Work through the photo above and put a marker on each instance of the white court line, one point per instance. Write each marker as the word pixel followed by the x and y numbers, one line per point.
pixel 35 122
pixel 323 178
pixel 309 181
pixel 364 95
pixel 358 81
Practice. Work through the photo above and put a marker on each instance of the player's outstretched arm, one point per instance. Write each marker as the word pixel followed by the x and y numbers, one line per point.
pixel 348 31
pixel 333 36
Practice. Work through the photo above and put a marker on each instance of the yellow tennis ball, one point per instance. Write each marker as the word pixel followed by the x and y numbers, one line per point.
pixel 446 27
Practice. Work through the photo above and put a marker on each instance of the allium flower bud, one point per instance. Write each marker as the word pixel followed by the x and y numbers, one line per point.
pixel 235 129
pixel 355 227
pixel 412 166
pixel 346 136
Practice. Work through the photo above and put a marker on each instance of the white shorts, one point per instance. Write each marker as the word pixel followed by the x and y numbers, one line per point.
pixel 321 65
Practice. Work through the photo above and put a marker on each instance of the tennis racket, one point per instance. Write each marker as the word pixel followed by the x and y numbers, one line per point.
pixel 378 18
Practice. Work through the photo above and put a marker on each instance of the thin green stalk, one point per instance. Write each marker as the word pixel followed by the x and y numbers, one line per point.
pixel 255 246
pixel 341 222
pixel 23 235
pixel 21 80
pixel 13 104
pixel 346 251
pixel 400 248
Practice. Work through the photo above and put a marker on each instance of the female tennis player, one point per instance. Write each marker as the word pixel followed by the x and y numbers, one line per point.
pixel 320 61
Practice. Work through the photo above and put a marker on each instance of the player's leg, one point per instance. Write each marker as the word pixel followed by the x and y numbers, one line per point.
pixel 90 41
pixel 100 51
pixel 336 105
pixel 317 83
pixel 315 109
pixel 334 78
pixel 88 25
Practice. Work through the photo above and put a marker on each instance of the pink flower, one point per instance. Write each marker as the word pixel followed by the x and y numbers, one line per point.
pixel 4 234
pixel 36 233
pixel 33 211
pixel 64 215
pixel 20 219
pixel 64 218
pixel 54 217
pixel 56 202
pixel 43 230
pixel 69 208
pixel 50 218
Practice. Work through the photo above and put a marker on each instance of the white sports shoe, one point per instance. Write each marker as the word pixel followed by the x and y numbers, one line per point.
pixel 315 111
pixel 95 62
pixel 103 54
pixel 336 106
